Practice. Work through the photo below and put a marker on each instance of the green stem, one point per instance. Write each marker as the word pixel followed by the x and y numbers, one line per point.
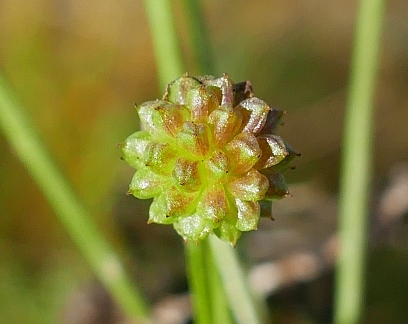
pixel 102 258
pixel 220 303
pixel 199 38
pixel 165 42
pixel 198 274
pixel 236 283
pixel 210 303
pixel 356 164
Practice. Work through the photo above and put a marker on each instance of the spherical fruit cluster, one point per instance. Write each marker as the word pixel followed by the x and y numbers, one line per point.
pixel 207 155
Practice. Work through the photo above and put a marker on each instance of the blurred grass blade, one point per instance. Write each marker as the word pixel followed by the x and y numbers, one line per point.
pixel 105 263
pixel 199 38
pixel 165 42
pixel 356 164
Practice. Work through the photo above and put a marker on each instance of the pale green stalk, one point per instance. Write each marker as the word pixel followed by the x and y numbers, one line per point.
pixel 102 258
pixel 235 281
pixel 165 42
pixel 357 165
pixel 198 275
pixel 219 300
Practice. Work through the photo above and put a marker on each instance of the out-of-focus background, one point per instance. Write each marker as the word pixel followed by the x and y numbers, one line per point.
pixel 79 66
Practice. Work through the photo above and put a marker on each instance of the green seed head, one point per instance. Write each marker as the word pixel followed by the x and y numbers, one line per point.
pixel 207 155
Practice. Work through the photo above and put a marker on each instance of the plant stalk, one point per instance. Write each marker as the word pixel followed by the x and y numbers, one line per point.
pixel 236 285
pixel 357 164
pixel 198 275
pixel 165 42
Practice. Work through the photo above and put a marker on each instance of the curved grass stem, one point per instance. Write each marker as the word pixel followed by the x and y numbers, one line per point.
pixel 102 258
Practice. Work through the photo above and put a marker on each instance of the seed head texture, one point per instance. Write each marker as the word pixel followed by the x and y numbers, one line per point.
pixel 207 154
